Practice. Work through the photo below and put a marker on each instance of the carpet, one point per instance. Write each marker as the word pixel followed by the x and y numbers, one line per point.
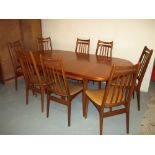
pixel 147 126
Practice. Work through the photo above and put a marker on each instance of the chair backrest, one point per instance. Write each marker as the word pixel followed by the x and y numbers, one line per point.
pixel 82 46
pixel 104 48
pixel 144 61
pixel 55 76
pixel 29 68
pixel 120 86
pixel 14 48
pixel 44 44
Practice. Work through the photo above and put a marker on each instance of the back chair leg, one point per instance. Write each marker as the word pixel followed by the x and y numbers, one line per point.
pixel 138 99
pixel 133 94
pixel 99 85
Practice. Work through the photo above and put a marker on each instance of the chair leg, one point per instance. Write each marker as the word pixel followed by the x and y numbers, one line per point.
pixel 27 94
pixel 42 99
pixel 48 106
pixel 138 99
pixel 127 121
pixel 133 94
pixel 86 107
pixel 69 114
pixel 16 83
pixel 101 122
pixel 99 85
pixel 34 91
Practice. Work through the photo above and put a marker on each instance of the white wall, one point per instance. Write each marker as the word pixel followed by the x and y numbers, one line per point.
pixel 129 36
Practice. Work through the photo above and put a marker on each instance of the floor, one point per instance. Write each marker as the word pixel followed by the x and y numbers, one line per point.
pixel 148 123
pixel 17 118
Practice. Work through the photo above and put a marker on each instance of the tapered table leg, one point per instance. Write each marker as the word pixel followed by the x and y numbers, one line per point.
pixel 85 104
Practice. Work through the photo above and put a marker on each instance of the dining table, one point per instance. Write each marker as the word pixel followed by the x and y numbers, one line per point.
pixel 84 67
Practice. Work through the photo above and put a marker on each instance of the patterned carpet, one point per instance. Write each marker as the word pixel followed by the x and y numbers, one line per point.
pixel 148 123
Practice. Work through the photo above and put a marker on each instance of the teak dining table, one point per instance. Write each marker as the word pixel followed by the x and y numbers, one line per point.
pixel 84 67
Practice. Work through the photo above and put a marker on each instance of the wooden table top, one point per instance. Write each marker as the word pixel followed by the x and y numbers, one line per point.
pixel 90 67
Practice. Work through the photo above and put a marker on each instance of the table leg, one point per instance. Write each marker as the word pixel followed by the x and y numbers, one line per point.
pixel 85 100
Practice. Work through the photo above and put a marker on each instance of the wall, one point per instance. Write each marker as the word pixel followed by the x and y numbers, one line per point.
pixel 129 36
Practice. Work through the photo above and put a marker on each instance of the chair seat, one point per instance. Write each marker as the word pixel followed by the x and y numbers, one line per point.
pixel 19 72
pixel 73 89
pixel 97 96
pixel 34 79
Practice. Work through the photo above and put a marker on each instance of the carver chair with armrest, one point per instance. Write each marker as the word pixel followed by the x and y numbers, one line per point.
pixel 44 44
pixel 14 48
pixel 104 49
pixel 58 88
pixel 117 93
pixel 33 80
pixel 82 46
pixel 144 61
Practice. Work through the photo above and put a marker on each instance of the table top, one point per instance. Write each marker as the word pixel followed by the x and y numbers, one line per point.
pixel 85 66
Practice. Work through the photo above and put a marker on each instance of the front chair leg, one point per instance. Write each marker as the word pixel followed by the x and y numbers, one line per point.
pixel 27 94
pixel 16 83
pixel 42 99
pixel 127 121
pixel 101 122
pixel 69 114
pixel 48 106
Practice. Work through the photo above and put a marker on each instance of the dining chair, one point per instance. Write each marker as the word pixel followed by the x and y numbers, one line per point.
pixel 14 48
pixel 82 46
pixel 115 98
pixel 44 44
pixel 144 61
pixel 58 88
pixel 104 52
pixel 82 50
pixel 104 48
pixel 33 79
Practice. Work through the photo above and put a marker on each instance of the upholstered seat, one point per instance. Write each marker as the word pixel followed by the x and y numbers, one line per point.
pixel 97 96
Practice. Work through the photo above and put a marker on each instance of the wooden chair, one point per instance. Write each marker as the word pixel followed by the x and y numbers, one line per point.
pixel 82 49
pixel 104 49
pixel 14 48
pixel 33 79
pixel 144 61
pixel 82 46
pixel 58 88
pixel 44 44
pixel 118 93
